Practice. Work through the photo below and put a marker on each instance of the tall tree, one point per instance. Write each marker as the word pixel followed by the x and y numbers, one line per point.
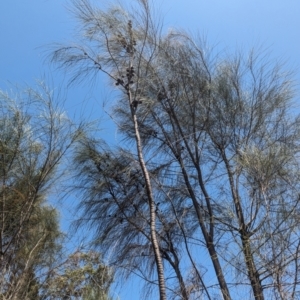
pixel 215 168
pixel 34 137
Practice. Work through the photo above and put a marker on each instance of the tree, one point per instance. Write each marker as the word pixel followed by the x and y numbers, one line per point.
pixel 81 276
pixel 215 168
pixel 34 137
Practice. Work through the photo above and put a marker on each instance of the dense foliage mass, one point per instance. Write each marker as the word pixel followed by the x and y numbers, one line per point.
pixel 34 138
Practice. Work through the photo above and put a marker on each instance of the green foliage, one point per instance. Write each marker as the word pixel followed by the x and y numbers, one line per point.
pixel 82 276
pixel 34 136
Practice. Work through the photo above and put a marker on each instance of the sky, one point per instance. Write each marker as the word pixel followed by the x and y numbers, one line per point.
pixel 29 27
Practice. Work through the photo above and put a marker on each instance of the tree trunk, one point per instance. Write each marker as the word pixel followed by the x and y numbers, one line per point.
pixel 207 234
pixel 208 239
pixel 151 202
pixel 253 274
pixel 155 244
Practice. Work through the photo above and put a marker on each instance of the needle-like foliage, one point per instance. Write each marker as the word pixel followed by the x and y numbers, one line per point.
pixel 209 197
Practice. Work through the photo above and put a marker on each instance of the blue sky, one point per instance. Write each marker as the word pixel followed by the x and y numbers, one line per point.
pixel 28 26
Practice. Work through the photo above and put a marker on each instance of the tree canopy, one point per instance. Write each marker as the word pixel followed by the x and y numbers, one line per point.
pixel 202 198
pixel 34 139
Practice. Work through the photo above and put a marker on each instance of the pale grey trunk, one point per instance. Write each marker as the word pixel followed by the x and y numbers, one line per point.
pixel 151 202
pixel 155 244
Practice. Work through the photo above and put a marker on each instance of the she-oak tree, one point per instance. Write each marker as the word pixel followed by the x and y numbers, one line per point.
pixel 207 204
pixel 35 136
